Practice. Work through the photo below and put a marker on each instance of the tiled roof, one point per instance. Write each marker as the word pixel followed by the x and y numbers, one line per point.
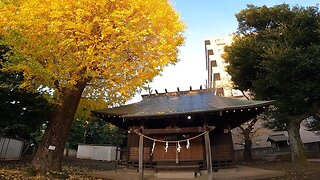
pixel 179 103
pixel 277 137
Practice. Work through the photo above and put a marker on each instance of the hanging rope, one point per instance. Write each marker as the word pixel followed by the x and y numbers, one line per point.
pixel 154 144
pixel 166 148
pixel 177 142
pixel 177 153
pixel 188 144
pixel 179 147
pixel 172 141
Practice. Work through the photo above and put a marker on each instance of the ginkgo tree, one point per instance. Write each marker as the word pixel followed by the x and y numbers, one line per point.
pixel 98 49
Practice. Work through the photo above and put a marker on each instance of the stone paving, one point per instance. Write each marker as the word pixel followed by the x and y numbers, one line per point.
pixel 241 172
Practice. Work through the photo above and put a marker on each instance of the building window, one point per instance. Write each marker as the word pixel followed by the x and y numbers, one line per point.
pixel 210 52
pixel 213 63
pixel 219 92
pixel 220 41
pixel 216 77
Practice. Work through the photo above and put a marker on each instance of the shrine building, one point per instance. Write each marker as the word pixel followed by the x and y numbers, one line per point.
pixel 184 129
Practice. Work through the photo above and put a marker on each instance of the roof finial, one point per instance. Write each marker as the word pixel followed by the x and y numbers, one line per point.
pixel 149 90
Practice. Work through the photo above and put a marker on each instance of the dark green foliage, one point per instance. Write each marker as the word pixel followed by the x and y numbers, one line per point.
pixel 257 19
pixel 313 123
pixel 245 70
pixel 276 55
pixel 101 132
pixel 22 114
pixel 76 134
pixel 95 131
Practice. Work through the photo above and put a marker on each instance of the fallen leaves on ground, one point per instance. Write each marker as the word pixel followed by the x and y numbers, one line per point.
pixel 310 171
pixel 72 169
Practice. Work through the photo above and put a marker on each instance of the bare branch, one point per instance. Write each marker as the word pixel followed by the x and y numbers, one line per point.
pixel 253 122
pixel 242 129
pixel 56 84
pixel 245 95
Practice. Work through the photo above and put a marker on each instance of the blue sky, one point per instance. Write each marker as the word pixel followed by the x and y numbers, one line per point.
pixel 217 18
pixel 205 19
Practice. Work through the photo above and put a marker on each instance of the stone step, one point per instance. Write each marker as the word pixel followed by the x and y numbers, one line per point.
pixel 175 174
pixel 177 167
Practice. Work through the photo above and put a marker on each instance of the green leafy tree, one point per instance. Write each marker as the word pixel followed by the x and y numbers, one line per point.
pixel 77 133
pixel 22 113
pixel 100 132
pixel 95 131
pixel 87 129
pixel 103 50
pixel 276 54
pixel 313 123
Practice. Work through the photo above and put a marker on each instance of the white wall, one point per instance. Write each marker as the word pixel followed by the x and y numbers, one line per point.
pixel 97 152
pixel 84 151
pixel 262 134
pixel 10 149
pixel 70 152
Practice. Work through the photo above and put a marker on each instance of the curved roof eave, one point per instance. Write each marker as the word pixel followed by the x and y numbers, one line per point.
pixel 195 102
pixel 186 113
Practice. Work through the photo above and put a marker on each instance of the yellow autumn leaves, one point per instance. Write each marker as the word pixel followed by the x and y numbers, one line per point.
pixel 112 45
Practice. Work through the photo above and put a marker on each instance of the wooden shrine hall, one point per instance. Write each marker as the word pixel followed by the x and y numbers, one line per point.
pixel 186 129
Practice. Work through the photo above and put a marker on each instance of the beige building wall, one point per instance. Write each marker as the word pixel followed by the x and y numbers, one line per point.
pixel 218 78
pixel 261 134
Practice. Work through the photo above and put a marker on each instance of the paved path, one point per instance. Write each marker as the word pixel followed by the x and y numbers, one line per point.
pixel 314 160
pixel 244 172
pixel 241 172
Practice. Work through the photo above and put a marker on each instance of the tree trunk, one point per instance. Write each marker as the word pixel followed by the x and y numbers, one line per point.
pixel 50 152
pixel 247 143
pixel 247 155
pixel 296 145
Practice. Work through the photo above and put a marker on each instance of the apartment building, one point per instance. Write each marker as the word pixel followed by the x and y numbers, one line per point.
pixel 218 78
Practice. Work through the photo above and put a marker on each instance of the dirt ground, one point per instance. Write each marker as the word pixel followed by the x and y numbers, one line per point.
pixel 310 171
pixel 78 169
pixel 72 168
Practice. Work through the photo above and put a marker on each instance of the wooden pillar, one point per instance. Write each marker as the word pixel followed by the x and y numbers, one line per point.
pixel 231 146
pixel 128 147
pixel 141 157
pixel 208 153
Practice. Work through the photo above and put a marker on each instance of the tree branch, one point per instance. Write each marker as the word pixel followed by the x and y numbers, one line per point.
pixel 252 123
pixel 314 109
pixel 56 84
pixel 242 129
pixel 245 95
